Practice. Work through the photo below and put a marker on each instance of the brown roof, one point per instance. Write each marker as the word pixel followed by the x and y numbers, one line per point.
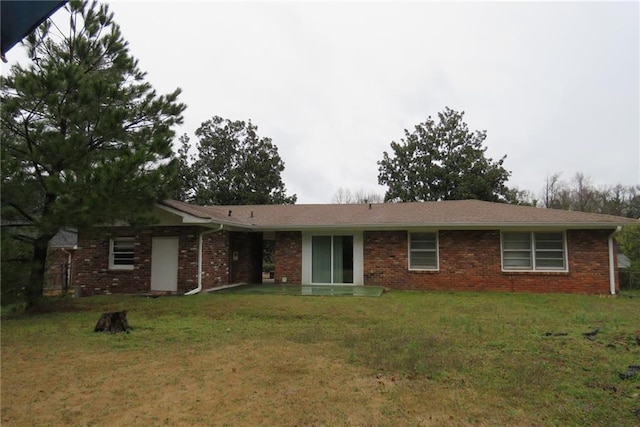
pixel 444 214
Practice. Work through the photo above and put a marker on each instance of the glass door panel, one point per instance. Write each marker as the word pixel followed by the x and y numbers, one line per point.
pixel 342 259
pixel 332 259
pixel 321 259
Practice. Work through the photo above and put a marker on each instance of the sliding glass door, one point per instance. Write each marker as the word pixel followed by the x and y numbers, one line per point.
pixel 332 259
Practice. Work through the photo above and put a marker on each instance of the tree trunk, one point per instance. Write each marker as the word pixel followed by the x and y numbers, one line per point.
pixel 112 322
pixel 35 286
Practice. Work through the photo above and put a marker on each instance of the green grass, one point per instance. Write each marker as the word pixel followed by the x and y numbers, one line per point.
pixel 630 293
pixel 408 358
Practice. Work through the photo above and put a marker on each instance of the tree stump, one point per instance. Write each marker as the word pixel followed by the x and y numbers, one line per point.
pixel 113 322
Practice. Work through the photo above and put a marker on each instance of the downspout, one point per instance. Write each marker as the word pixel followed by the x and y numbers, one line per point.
pixel 68 268
pixel 199 288
pixel 612 262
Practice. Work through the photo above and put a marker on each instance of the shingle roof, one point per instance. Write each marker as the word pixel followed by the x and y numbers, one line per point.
pixel 454 214
pixel 65 238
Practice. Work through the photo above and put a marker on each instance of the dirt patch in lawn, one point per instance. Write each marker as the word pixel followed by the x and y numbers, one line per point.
pixel 248 384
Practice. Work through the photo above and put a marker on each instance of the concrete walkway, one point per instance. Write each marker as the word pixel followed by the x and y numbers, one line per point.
pixel 310 290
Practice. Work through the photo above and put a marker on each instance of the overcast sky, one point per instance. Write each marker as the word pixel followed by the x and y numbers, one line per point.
pixel 556 85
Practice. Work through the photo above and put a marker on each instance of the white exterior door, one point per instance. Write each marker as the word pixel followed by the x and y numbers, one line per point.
pixel 164 264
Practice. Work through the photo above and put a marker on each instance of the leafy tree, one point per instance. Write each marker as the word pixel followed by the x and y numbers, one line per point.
pixel 621 200
pixel 346 197
pixel 233 166
pixel 442 160
pixel 629 241
pixel 16 257
pixel 85 139
pixel 516 196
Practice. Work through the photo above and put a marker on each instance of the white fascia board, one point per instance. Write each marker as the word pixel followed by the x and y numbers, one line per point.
pixel 565 226
pixel 186 218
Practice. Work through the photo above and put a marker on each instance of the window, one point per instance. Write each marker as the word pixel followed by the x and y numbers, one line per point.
pixel 549 251
pixel 423 251
pixel 516 251
pixel 121 253
pixel 537 251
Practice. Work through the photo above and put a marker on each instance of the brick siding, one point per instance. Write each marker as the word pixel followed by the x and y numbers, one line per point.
pixel 91 263
pixel 471 261
pixel 288 257
pixel 216 264
pixel 468 260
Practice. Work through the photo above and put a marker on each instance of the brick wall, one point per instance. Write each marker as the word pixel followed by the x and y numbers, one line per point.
pixel 288 256
pixel 470 260
pixel 215 260
pixel 91 262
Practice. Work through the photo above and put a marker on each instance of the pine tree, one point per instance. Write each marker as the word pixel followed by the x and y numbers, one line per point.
pixel 85 140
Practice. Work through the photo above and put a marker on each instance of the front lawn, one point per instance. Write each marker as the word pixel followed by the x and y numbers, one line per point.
pixel 405 358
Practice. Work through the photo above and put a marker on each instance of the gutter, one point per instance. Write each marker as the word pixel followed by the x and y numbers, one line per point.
pixel 68 267
pixel 199 288
pixel 404 226
pixel 612 262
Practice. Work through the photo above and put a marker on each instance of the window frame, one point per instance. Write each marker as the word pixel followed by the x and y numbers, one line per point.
pixel 533 251
pixel 112 244
pixel 436 250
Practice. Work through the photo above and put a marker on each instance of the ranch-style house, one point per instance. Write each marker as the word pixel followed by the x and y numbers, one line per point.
pixel 448 245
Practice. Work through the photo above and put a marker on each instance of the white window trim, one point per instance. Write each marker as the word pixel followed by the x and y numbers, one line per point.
pixel 437 251
pixel 532 248
pixel 112 266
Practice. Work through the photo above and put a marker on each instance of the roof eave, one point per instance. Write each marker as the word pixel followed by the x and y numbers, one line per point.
pixel 441 226
pixel 186 217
